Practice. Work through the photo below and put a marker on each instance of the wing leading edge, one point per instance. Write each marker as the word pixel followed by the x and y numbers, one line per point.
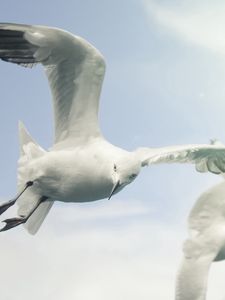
pixel 75 70
pixel 205 157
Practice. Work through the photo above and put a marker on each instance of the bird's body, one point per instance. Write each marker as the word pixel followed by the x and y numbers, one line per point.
pixel 205 244
pixel 64 175
pixel 82 165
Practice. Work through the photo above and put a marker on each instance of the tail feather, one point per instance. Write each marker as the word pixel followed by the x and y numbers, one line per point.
pixel 35 221
pixel 26 140
pixel 30 150
pixel 24 137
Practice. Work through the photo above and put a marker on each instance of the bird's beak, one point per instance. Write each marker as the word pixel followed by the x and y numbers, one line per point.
pixel 115 187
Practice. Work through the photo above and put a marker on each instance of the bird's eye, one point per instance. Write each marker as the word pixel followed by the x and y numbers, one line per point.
pixel 132 176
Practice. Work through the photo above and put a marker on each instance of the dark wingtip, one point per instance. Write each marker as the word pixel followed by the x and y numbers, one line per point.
pixel 10 33
pixel 14 47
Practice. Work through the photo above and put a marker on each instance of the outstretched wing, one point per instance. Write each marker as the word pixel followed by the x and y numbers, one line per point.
pixel 205 157
pixel 206 243
pixel 191 283
pixel 75 70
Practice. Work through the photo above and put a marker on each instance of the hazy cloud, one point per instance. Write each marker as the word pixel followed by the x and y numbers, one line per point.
pixel 199 22
pixel 86 258
pixel 90 259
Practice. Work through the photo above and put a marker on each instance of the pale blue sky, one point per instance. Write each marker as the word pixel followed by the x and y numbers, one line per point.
pixel 164 85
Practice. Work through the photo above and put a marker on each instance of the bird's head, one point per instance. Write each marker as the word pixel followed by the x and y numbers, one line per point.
pixel 124 171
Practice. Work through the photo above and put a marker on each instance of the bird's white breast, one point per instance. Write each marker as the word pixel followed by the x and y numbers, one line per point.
pixel 79 175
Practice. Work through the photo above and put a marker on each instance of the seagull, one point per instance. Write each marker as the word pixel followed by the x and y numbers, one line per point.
pixel 205 244
pixel 81 165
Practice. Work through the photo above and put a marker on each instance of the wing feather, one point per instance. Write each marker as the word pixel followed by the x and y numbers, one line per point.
pixel 206 243
pixel 205 157
pixel 75 70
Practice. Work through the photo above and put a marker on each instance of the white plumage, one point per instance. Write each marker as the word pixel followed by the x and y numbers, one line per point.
pixel 205 244
pixel 81 165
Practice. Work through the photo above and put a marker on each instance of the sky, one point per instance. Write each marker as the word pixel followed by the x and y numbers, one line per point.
pixel 164 85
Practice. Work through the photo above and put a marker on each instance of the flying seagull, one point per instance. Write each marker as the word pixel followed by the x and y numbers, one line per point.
pixel 206 243
pixel 81 166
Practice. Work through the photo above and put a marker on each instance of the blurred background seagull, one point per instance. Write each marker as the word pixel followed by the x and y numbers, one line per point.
pixel 81 166
pixel 206 243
